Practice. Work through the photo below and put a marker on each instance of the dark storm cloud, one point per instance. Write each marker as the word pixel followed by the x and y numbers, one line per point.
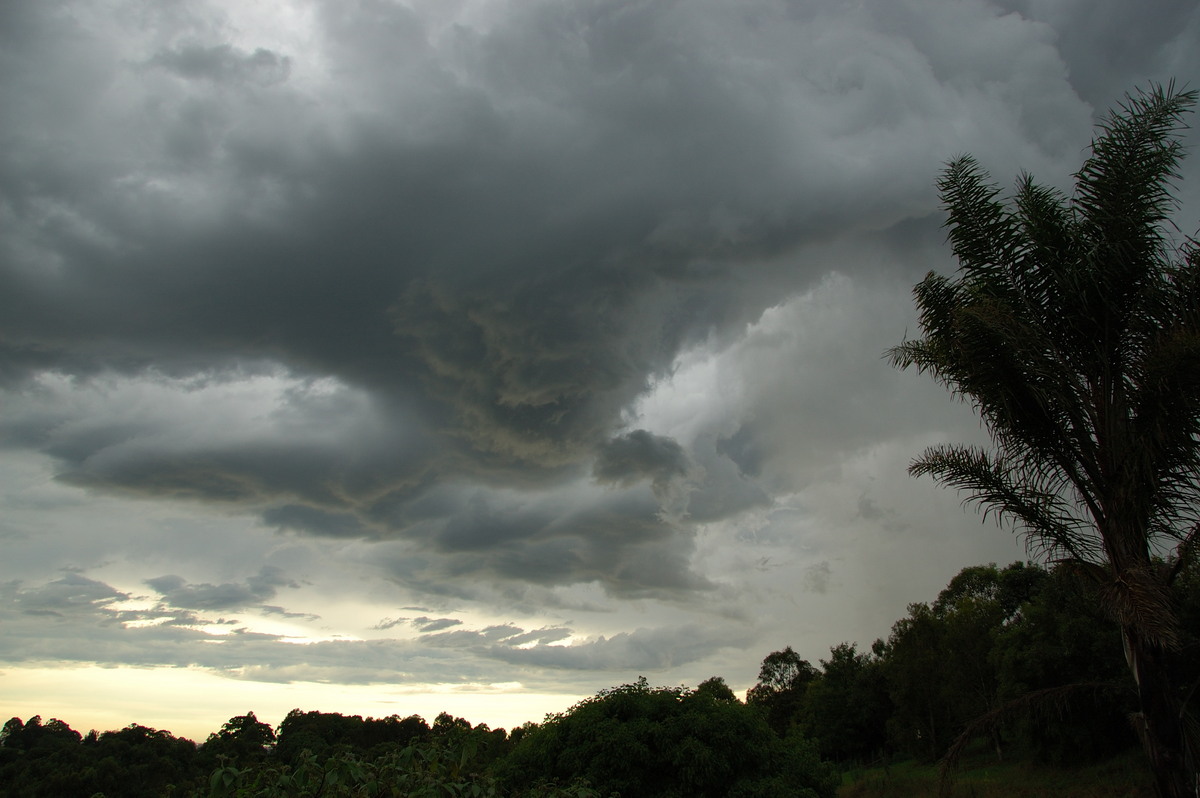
pixel 742 449
pixel 619 540
pixel 314 521
pixel 71 594
pixel 223 63
pixel 1113 44
pixel 272 609
pixel 427 625
pixel 177 592
pixel 638 455
pixel 488 238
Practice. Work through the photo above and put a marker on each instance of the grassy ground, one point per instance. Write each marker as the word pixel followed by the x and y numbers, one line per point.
pixel 981 777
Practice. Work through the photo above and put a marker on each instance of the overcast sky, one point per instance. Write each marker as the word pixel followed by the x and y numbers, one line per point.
pixel 389 357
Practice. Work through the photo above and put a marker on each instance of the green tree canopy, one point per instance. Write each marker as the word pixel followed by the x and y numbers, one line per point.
pixel 668 742
pixel 783 680
pixel 847 708
pixel 242 738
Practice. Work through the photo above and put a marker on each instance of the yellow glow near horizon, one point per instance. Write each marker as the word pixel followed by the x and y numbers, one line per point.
pixel 193 703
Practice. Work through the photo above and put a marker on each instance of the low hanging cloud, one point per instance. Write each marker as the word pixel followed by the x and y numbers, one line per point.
pixel 627 459
pixel 87 629
pixel 61 598
pixel 177 592
pixel 642 649
pixel 223 63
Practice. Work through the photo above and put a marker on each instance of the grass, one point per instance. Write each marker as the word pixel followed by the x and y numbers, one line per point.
pixel 982 777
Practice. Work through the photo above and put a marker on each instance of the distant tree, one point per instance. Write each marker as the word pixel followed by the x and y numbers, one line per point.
pixel 42 759
pixel 1073 326
pixel 973 610
pixel 10 734
pixel 782 681
pixel 141 762
pixel 915 665
pixel 324 734
pixel 1006 589
pixel 34 734
pixel 716 688
pixel 381 734
pixel 243 738
pixel 939 662
pixel 665 742
pixel 846 710
pixel 1060 638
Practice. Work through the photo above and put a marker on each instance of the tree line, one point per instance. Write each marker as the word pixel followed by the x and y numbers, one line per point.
pixel 1021 659
pixel 962 667
pixel 629 740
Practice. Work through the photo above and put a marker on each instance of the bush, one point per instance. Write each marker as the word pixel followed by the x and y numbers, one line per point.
pixel 668 742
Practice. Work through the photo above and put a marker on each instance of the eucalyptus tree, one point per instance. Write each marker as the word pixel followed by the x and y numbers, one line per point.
pixel 783 680
pixel 1073 327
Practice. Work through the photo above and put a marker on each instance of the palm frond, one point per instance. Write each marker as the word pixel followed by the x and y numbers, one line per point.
pixel 983 233
pixel 1013 494
pixel 1126 184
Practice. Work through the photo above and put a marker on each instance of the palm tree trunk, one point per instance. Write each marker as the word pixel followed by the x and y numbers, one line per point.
pixel 1159 721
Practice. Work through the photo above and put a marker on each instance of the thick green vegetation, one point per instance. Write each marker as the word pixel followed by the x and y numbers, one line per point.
pixel 1019 661
pixel 671 742
pixel 1125 776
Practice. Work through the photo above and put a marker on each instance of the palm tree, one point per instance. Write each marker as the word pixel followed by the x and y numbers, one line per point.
pixel 1073 327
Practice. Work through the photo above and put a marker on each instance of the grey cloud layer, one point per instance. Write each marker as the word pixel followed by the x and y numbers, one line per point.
pixel 175 591
pixel 73 619
pixel 452 253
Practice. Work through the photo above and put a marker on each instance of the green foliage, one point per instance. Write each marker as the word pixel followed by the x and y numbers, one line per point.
pixel 243 739
pixel 1062 638
pixel 783 681
pixel 847 708
pixel 41 759
pixel 716 688
pixel 429 768
pixel 993 642
pixel 668 741
pixel 51 759
pixel 939 661
pixel 327 733
pixel 416 770
pixel 983 777
pixel 922 723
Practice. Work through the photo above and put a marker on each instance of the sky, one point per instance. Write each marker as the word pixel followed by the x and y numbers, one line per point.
pixel 386 357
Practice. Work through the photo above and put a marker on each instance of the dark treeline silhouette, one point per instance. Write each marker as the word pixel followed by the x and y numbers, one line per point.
pixel 633 739
pixel 1021 659
pixel 1017 658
